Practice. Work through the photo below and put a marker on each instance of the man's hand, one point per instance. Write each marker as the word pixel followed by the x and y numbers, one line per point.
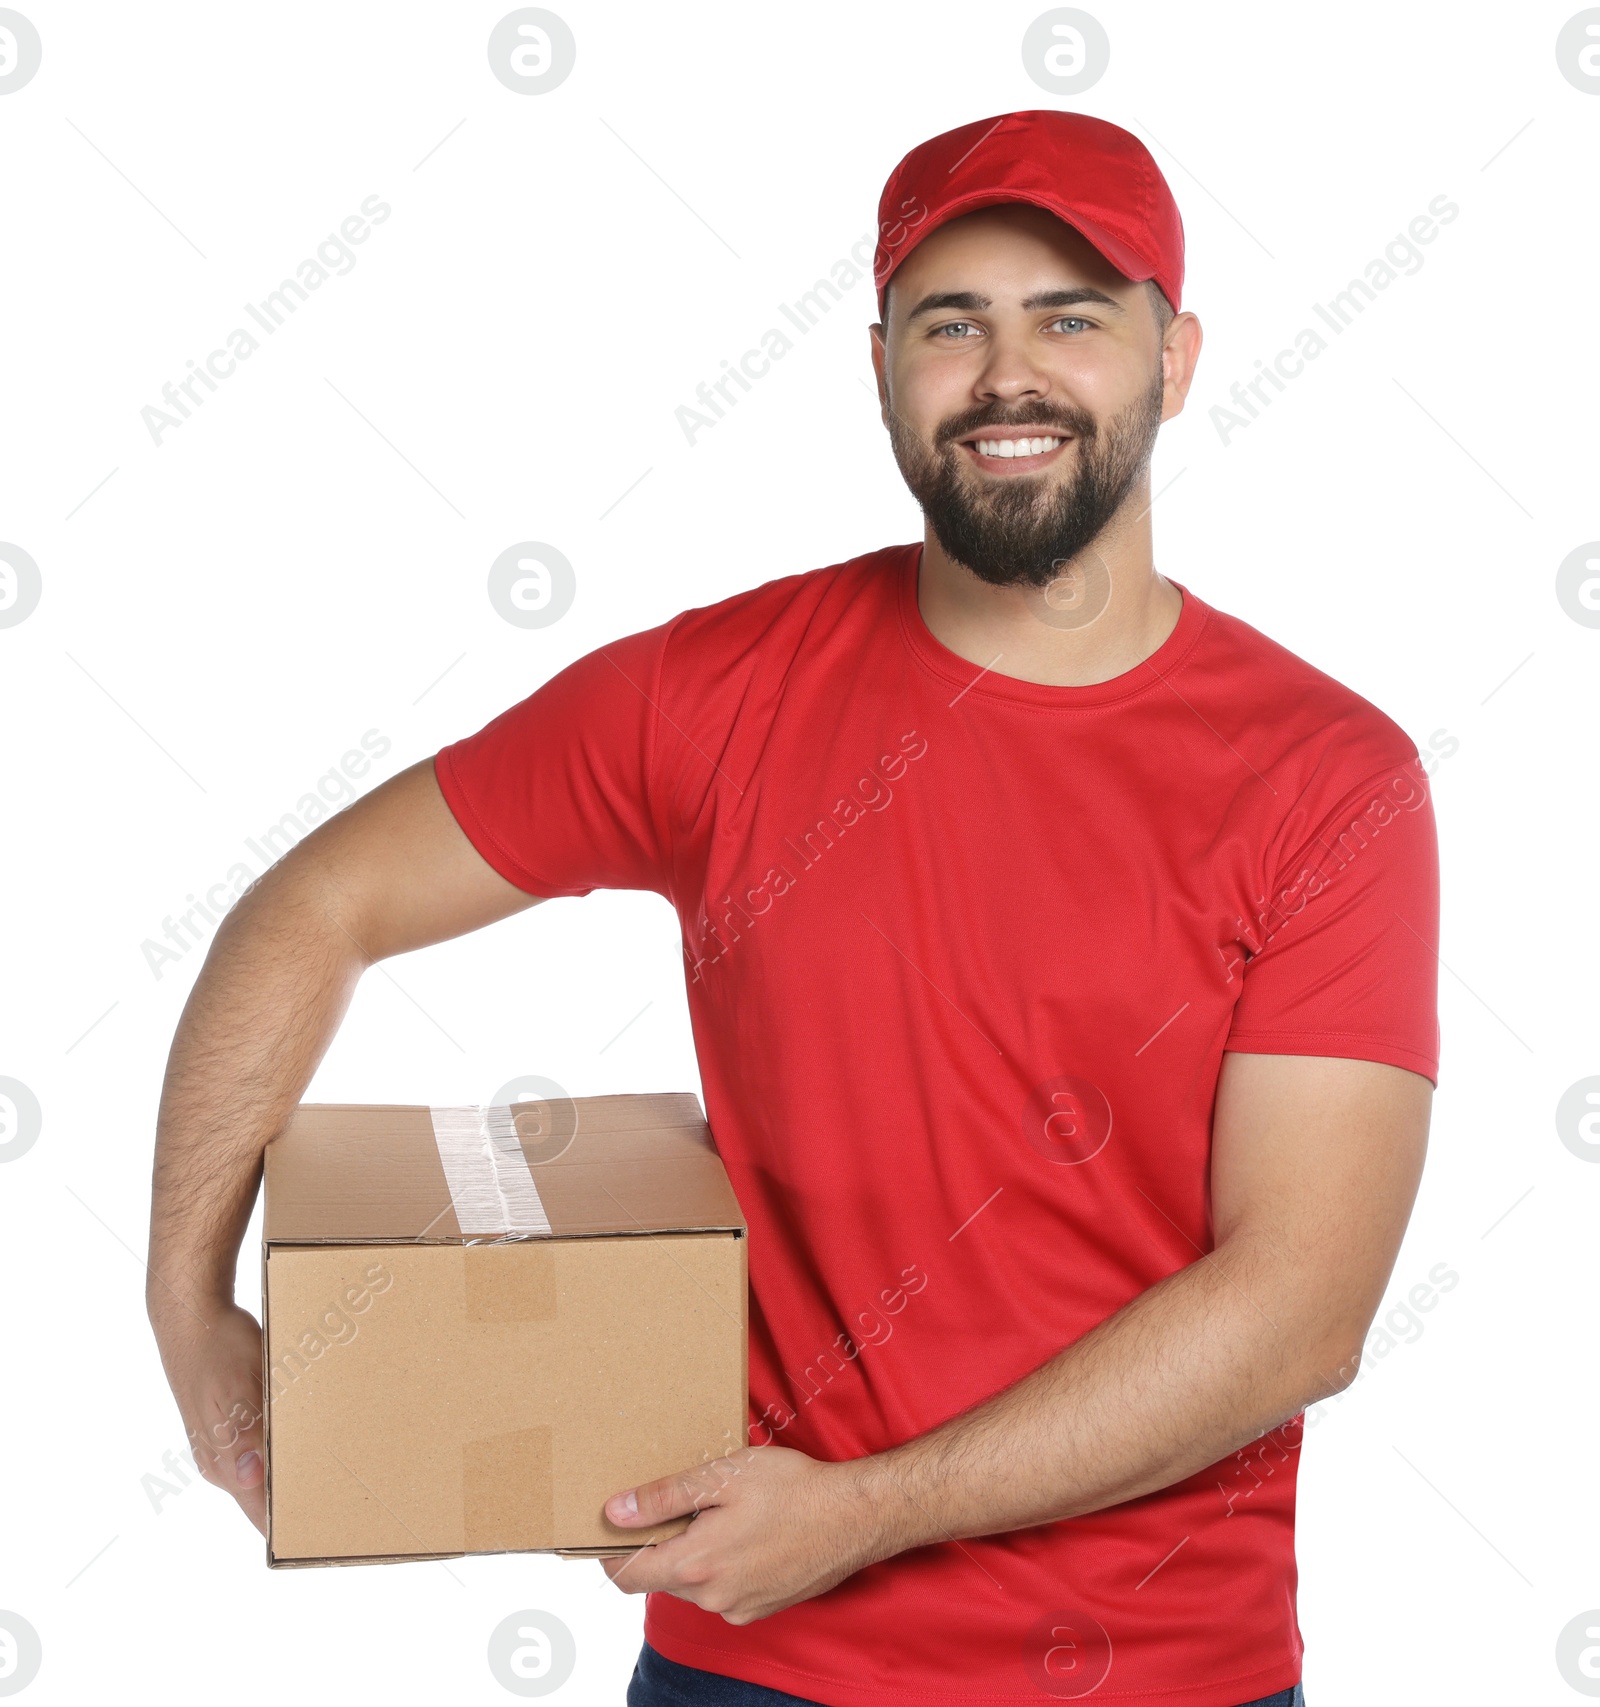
pixel 390 874
pixel 214 1367
pixel 771 1527
pixel 1315 1163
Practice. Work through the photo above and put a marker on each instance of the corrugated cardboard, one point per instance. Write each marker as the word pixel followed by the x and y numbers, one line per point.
pixel 434 1392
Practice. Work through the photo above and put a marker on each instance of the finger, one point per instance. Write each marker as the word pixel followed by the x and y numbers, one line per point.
pixel 250 1488
pixel 229 1450
pixel 671 1496
pixel 636 1573
pixel 640 1572
pixel 614 1565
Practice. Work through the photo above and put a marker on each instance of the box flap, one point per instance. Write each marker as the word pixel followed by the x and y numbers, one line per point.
pixel 372 1173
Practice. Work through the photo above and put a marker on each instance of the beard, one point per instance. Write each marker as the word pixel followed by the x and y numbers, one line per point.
pixel 1027 530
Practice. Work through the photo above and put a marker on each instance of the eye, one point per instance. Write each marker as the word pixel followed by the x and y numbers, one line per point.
pixel 959 328
pixel 1070 320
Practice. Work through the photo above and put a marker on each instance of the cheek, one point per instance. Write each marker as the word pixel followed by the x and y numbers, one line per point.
pixel 925 393
pixel 1108 380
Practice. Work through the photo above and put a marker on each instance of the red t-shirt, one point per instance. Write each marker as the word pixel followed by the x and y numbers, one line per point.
pixel 963 955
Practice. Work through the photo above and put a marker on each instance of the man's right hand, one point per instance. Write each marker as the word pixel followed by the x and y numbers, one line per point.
pixel 390 874
pixel 215 1374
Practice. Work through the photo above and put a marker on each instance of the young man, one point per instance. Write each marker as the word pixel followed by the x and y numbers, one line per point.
pixel 1059 957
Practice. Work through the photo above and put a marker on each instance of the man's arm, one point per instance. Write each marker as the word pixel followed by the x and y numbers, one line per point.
pixel 392 873
pixel 1315 1165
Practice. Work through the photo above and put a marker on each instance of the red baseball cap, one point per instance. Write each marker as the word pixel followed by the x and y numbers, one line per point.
pixel 1096 176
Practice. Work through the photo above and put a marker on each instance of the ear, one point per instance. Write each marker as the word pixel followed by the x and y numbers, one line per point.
pixel 1180 353
pixel 880 357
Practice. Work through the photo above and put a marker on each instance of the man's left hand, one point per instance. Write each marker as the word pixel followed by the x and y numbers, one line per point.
pixel 771 1527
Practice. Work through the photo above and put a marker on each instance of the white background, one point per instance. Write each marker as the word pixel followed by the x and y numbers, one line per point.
pixel 305 559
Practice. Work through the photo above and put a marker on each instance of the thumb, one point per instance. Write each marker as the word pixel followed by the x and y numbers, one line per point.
pixel 656 1502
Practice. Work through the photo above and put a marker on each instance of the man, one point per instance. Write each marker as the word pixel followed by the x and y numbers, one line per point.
pixel 1059 957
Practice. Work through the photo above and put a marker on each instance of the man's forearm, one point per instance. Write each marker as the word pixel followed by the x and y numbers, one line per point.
pixel 262 1012
pixel 1196 1367
pixel 391 873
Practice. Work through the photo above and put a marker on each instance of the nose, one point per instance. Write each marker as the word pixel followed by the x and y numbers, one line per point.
pixel 1009 375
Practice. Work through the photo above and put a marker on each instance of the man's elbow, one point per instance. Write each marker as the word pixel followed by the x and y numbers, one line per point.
pixel 1333 1364
pixel 303 904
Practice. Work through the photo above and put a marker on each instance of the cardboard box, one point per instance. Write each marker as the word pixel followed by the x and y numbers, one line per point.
pixel 480 1323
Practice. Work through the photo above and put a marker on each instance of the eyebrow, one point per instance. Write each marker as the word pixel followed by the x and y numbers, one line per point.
pixel 970 302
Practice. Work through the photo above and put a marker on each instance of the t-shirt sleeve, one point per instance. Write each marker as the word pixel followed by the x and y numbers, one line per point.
pixel 556 793
pixel 1345 958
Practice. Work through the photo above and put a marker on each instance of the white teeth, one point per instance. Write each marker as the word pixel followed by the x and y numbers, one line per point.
pixel 1016 447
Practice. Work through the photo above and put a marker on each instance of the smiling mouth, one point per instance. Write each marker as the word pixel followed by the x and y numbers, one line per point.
pixel 1015 453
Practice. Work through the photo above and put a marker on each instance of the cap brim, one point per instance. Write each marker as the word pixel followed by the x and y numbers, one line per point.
pixel 1132 268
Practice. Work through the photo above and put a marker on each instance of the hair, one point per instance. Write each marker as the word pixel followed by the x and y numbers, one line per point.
pixel 1164 311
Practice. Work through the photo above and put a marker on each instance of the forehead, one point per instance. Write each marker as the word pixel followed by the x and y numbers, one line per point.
pixel 1005 253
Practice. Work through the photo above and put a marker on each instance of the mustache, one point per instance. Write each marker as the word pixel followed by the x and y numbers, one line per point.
pixel 1042 418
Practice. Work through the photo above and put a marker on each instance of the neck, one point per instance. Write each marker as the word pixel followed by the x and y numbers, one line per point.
pixel 1106 614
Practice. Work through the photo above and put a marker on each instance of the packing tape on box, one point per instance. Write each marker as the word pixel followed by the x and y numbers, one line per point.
pixel 491 1185
pixel 508 1491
